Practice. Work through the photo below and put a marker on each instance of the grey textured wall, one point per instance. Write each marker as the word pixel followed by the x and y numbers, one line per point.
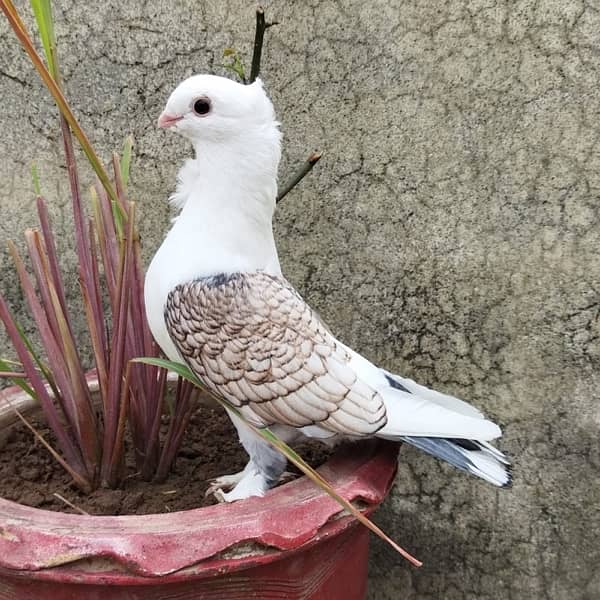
pixel 450 233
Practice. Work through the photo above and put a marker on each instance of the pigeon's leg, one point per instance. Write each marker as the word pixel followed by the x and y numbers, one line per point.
pixel 263 471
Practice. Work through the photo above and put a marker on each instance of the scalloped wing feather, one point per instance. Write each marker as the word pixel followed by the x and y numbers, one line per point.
pixel 252 339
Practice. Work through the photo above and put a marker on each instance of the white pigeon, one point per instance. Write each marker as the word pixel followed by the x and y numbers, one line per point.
pixel 216 299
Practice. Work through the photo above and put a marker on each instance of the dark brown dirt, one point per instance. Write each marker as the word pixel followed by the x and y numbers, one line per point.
pixel 29 475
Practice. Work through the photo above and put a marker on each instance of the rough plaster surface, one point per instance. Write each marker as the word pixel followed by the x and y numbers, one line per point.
pixel 451 232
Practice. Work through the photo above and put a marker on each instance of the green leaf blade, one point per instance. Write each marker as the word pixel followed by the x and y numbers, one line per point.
pixel 37 188
pixel 179 368
pixel 126 159
pixel 42 10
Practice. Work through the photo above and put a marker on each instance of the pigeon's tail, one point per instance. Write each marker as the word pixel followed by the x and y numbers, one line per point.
pixel 445 427
pixel 475 457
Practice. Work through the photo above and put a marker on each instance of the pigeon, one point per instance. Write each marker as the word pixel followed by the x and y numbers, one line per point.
pixel 216 299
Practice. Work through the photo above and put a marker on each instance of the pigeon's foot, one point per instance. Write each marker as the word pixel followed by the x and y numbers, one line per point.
pixel 246 485
pixel 225 482
pixel 249 484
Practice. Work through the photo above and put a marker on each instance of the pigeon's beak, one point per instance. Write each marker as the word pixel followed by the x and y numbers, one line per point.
pixel 165 121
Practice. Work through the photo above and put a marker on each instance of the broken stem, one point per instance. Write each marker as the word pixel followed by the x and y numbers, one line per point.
pixel 304 170
pixel 259 36
pixel 261 27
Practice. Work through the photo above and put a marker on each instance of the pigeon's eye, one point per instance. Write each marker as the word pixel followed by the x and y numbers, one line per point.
pixel 202 106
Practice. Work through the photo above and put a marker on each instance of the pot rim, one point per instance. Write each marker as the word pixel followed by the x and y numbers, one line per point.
pixel 193 543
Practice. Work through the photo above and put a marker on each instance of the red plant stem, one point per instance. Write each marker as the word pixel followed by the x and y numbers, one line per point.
pixel 109 245
pixel 149 446
pixel 118 354
pixel 50 247
pixel 146 400
pixel 36 256
pixel 92 302
pixel 75 392
pixel 47 315
pixel 116 460
pixel 87 268
pixel 13 375
pixel 65 398
pixel 177 425
pixel 67 446
pixel 79 218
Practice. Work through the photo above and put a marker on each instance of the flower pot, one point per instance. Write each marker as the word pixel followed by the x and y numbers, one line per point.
pixel 293 543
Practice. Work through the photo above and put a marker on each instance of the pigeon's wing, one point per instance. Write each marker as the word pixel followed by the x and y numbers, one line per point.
pixel 252 339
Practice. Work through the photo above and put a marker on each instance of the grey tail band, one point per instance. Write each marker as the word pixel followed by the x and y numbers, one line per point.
pixel 464 455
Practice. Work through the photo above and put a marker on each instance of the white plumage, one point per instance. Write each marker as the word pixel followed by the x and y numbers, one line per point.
pixel 216 298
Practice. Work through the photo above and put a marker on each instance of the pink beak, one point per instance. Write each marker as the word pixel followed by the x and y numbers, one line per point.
pixel 165 121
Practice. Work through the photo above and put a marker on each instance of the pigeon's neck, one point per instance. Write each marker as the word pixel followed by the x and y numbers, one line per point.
pixel 227 198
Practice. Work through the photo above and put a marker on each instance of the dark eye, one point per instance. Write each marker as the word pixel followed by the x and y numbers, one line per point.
pixel 202 106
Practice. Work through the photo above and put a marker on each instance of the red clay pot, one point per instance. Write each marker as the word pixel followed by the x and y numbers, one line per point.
pixel 294 543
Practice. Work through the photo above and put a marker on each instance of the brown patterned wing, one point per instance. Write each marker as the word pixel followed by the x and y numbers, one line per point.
pixel 252 339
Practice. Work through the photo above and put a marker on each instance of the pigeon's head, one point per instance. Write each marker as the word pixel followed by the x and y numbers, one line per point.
pixel 209 109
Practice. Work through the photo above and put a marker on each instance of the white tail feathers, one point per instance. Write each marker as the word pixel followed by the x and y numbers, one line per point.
pixel 445 427
pixel 412 415
pixel 444 400
pixel 439 424
pixel 488 467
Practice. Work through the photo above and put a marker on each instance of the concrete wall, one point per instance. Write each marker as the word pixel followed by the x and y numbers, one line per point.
pixel 450 233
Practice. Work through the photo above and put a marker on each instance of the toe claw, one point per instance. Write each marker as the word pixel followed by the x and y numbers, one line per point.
pixel 287 476
pixel 239 486
pixel 219 494
pixel 225 482
pixel 211 489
